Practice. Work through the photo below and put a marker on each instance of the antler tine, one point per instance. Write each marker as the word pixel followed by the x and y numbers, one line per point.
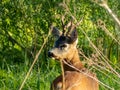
pixel 70 26
pixel 63 25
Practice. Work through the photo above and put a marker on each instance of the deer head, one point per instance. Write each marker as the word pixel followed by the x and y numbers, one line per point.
pixel 65 45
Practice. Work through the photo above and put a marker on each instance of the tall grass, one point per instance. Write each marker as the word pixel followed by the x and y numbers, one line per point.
pixel 11 76
pixel 40 78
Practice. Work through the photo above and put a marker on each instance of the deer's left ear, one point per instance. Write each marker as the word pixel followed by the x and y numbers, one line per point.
pixel 74 35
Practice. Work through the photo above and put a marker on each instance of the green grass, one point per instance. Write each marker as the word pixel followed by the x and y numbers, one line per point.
pixel 11 76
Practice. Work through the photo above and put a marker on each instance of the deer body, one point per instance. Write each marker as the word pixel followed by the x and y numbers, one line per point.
pixel 75 81
pixel 65 49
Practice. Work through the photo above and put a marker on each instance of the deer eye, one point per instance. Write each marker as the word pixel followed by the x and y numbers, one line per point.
pixel 62 47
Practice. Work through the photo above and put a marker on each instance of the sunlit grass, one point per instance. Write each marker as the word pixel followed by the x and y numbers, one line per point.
pixel 39 79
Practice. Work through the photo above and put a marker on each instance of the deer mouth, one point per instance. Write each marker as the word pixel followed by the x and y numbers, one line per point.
pixel 53 56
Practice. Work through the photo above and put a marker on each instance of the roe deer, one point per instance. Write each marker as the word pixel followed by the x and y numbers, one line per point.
pixel 65 49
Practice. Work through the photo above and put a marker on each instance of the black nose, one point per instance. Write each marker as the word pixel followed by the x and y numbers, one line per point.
pixel 50 54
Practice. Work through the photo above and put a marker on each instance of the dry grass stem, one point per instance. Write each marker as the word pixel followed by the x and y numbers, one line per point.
pixel 63 75
pixel 36 58
pixel 103 3
pixel 101 24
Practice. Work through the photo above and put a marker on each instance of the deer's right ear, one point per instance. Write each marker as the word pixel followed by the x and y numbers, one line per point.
pixel 57 33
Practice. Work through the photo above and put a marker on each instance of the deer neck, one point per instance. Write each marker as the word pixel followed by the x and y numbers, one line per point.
pixel 74 61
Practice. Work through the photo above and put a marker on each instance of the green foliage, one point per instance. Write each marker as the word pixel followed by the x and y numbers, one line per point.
pixel 24 24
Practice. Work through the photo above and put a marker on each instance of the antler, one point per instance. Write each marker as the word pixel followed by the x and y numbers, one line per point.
pixel 73 26
pixel 70 27
pixel 67 29
pixel 63 25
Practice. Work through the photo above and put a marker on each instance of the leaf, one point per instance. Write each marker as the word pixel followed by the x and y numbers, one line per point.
pixel 8 21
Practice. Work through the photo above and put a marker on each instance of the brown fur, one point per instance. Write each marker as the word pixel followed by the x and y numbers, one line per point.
pixel 74 80
pixel 74 61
